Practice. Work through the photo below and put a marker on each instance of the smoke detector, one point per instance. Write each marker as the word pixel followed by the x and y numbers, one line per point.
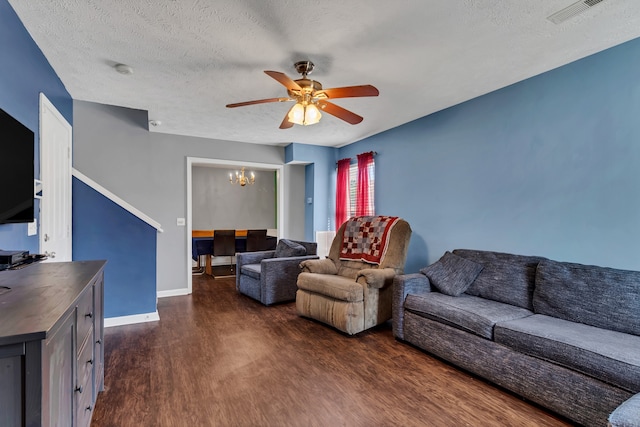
pixel 123 69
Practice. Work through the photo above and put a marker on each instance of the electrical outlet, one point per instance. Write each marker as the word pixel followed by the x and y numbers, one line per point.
pixel 32 228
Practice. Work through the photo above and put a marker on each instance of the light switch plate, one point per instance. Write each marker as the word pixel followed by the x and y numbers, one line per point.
pixel 180 222
pixel 32 228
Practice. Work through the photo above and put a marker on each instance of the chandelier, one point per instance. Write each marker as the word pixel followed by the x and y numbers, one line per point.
pixel 241 179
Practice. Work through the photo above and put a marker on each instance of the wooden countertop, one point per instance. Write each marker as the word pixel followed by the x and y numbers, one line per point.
pixel 40 295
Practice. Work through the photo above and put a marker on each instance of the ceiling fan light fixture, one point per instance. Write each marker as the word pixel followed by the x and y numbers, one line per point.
pixel 296 114
pixel 304 115
pixel 310 97
pixel 311 115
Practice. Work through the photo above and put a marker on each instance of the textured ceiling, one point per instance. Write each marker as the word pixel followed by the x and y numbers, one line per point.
pixel 192 57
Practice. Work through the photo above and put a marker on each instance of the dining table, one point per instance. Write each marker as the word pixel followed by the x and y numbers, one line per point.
pixel 202 245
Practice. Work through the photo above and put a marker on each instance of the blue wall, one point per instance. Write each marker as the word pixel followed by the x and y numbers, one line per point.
pixel 24 74
pixel 103 230
pixel 309 173
pixel 320 185
pixel 549 166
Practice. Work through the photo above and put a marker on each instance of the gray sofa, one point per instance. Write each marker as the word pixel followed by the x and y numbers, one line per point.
pixel 563 335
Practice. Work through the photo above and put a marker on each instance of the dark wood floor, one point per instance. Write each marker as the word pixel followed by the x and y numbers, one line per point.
pixel 217 358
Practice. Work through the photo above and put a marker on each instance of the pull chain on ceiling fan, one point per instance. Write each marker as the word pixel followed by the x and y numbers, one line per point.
pixel 311 98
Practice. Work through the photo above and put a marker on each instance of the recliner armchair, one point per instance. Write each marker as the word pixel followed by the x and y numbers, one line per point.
pixel 351 289
pixel 270 276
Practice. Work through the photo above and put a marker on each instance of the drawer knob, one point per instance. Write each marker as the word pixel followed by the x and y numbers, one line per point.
pixel 88 408
pixel 90 361
pixel 99 342
pixel 89 315
pixel 79 389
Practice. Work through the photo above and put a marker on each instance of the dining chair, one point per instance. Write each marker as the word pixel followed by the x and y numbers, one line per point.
pixel 224 244
pixel 256 240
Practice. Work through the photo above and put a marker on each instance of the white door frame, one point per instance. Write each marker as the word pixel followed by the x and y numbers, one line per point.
pixel 199 161
pixel 46 108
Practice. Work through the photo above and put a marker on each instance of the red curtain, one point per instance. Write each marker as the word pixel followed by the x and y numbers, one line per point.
pixel 364 207
pixel 342 192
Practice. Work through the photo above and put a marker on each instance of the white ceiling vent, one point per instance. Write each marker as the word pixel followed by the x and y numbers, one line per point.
pixel 573 10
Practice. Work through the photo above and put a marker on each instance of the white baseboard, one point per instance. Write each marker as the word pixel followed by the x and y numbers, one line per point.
pixel 130 320
pixel 173 293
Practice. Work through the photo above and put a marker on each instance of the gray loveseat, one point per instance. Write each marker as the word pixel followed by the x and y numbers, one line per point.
pixel 563 335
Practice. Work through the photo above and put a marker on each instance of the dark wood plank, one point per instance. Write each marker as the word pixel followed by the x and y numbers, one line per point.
pixel 217 358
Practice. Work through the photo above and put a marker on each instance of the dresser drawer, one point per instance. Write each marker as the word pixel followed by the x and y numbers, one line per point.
pixel 84 405
pixel 85 316
pixel 85 364
pixel 84 385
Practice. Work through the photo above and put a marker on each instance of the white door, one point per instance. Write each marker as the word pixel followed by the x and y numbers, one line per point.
pixel 55 174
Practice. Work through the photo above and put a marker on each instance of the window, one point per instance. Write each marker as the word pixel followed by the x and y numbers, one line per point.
pixel 355 188
pixel 353 185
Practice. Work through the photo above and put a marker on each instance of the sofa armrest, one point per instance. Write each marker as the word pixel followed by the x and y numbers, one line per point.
pixel 403 285
pixel 377 278
pixel 321 266
pixel 627 414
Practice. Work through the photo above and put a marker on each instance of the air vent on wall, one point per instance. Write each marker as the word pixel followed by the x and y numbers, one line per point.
pixel 573 10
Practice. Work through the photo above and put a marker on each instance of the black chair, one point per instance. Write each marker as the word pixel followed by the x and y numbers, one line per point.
pixel 256 240
pixel 224 244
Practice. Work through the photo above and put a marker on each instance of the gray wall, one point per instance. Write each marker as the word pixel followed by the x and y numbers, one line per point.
pixel 113 147
pixel 217 204
pixel 294 201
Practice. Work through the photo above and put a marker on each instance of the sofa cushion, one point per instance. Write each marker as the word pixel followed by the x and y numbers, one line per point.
pixel 287 248
pixel 609 356
pixel 505 277
pixel 452 274
pixel 466 312
pixel 330 285
pixel 251 270
pixel 627 414
pixel 603 297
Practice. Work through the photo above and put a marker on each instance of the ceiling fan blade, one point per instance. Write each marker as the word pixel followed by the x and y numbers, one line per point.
pixel 339 112
pixel 349 91
pixel 284 80
pixel 258 101
pixel 286 124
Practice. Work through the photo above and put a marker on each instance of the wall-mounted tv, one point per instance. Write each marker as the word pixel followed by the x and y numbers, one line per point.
pixel 16 171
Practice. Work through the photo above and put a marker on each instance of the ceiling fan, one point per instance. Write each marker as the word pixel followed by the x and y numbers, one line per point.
pixel 310 98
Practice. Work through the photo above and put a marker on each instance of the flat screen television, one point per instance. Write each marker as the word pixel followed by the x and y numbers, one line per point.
pixel 16 170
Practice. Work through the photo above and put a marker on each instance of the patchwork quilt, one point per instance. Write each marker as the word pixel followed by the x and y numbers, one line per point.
pixel 365 238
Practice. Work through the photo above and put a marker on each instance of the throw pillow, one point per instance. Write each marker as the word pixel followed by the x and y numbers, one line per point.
pixel 451 274
pixel 287 248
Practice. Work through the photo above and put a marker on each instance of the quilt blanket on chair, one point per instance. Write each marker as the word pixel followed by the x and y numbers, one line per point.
pixel 365 238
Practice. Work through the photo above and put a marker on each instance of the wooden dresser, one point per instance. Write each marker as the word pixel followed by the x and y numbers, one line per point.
pixel 51 343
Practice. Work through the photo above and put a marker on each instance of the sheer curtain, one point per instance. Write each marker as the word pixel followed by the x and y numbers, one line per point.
pixel 342 192
pixel 364 191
